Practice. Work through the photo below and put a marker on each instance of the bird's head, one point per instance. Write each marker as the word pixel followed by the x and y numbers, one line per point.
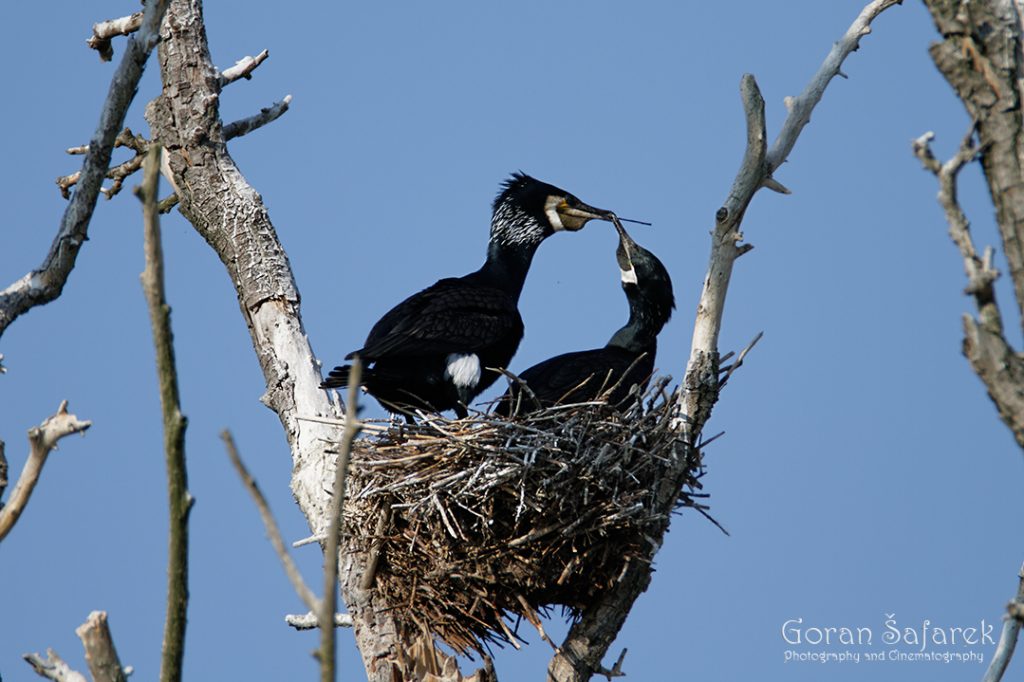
pixel 644 279
pixel 526 211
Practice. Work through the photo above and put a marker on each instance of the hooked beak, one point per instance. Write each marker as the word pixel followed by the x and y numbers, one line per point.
pixel 624 252
pixel 574 216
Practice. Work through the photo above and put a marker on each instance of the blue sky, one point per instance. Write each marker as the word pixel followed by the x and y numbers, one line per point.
pixel 863 473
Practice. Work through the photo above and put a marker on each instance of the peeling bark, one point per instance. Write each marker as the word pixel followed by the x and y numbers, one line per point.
pixel 980 56
pixel 231 217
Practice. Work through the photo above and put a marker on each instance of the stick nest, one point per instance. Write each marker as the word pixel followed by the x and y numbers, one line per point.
pixel 477 521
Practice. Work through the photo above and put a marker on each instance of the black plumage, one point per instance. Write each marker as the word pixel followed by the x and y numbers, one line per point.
pixel 437 349
pixel 627 359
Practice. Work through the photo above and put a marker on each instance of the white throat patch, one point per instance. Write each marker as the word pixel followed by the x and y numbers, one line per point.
pixel 463 370
pixel 551 210
pixel 628 276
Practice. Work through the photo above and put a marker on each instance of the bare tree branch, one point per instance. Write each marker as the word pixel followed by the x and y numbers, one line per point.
pixel 329 604
pixel 100 654
pixel 53 667
pixel 140 144
pixel 273 531
pixel 701 377
pixel 46 283
pixel 1008 637
pixel 267 115
pixel 243 68
pixel 174 423
pixel 105 31
pixel 980 57
pixel 588 640
pixel 727 371
pixel 118 173
pixel 992 358
pixel 311 620
pixel 230 215
pixel 980 273
pixel 800 107
pixel 42 440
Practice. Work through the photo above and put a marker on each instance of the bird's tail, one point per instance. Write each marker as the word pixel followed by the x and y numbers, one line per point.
pixel 338 377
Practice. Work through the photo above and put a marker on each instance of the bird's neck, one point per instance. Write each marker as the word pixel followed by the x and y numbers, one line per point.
pixel 507 265
pixel 638 335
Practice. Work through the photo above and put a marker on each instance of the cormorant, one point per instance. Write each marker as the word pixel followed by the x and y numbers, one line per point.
pixel 433 350
pixel 627 359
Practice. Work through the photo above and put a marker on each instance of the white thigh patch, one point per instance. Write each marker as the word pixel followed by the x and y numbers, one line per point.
pixel 463 370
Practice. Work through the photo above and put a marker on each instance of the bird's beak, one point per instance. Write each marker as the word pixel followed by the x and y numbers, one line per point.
pixel 624 252
pixel 574 216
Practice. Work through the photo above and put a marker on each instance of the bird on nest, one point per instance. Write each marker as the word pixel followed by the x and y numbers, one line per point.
pixel 440 348
pixel 627 359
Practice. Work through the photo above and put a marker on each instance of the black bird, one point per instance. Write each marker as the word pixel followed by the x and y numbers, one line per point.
pixel 627 359
pixel 433 350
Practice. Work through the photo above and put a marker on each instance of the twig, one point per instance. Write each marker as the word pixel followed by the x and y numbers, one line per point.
pixel 616 670
pixel 522 388
pixel 118 173
pixel 140 144
pixel 535 621
pixel 3 473
pixel 53 667
pixel 167 204
pixel 377 428
pixel 312 539
pixel 273 532
pixel 42 440
pixel 980 273
pixel 375 549
pixel 105 31
pixel 174 423
pixel 251 123
pixel 328 605
pixel 739 361
pixel 243 68
pixel 1008 637
pixel 100 654
pixel 46 283
pixel 311 620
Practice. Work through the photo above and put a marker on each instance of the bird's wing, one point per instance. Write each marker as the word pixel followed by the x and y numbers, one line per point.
pixel 551 379
pixel 448 317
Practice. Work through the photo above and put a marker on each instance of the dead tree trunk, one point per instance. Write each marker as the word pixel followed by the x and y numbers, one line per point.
pixel 980 56
pixel 230 215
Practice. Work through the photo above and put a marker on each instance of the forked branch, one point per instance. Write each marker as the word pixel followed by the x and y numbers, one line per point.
pixel 45 283
pixel 42 440
pixel 588 640
pixel 992 358
pixel 105 31
pixel 100 655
